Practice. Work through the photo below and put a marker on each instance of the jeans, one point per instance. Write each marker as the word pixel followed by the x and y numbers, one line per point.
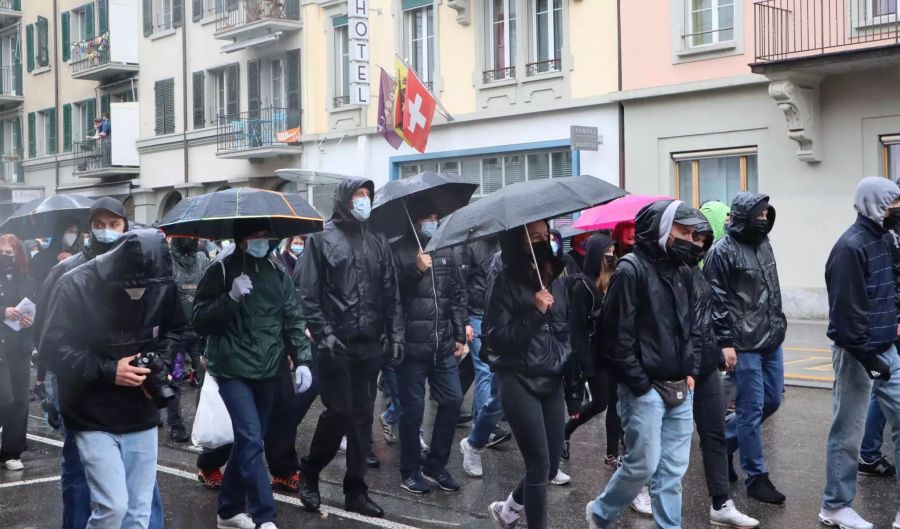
pixel 870 451
pixel 649 427
pixel 392 391
pixel 488 417
pixel 709 414
pixel 121 474
pixel 850 397
pixel 245 484
pixel 287 414
pixel 443 379
pixel 483 374
pixel 759 378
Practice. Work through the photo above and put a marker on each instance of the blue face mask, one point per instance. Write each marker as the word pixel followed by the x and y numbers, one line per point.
pixel 554 246
pixel 258 247
pixel 362 208
pixel 106 236
pixel 297 249
pixel 429 228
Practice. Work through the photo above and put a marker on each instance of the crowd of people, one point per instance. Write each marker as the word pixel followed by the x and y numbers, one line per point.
pixel 641 323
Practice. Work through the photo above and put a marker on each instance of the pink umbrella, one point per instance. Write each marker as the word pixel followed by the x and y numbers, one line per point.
pixel 606 217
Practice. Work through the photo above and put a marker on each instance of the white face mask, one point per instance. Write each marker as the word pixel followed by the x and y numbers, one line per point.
pixel 106 236
pixel 362 208
pixel 69 239
pixel 258 247
pixel 429 228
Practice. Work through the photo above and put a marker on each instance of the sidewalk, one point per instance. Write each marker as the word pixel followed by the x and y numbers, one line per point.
pixel 807 355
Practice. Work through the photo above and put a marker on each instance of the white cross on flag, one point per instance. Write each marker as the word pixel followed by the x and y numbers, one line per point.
pixel 418 112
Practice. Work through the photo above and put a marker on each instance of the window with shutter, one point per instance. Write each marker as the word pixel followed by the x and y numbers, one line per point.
pixel 43 53
pixel 199 117
pixel 232 72
pixel 67 127
pixel 89 22
pixel 253 98
pixel 104 105
pixel 103 15
pixel 177 13
pixel 52 130
pixel 148 17
pixel 196 10
pixel 292 9
pixel 32 135
pixel 66 36
pixel 17 127
pixel 293 88
pixel 159 99
pixel 29 46
pixel 170 106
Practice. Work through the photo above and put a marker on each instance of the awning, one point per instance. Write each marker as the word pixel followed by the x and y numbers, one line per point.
pixel 98 190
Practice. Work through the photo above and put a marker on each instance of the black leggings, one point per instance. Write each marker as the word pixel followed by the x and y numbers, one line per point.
pixel 540 452
pixel 603 397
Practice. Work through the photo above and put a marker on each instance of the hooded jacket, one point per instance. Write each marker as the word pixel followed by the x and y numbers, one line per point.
pixel 747 312
pixel 94 320
pixel 706 345
pixel 717 214
pixel 434 301
pixel 188 267
pixel 47 258
pixel 348 286
pixel 647 318
pixel 586 306
pixel 476 265
pixel 859 276
pixel 15 286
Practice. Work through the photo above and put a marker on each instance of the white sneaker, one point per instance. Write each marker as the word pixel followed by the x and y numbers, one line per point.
pixel 241 521
pixel 641 504
pixel 496 511
pixel 471 459
pixel 561 478
pixel 896 524
pixel 14 464
pixel 390 437
pixel 843 518
pixel 729 516
pixel 342 448
pixel 589 516
pixel 268 525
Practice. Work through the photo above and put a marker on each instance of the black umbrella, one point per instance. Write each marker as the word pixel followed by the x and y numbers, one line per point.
pixel 441 193
pixel 38 218
pixel 216 215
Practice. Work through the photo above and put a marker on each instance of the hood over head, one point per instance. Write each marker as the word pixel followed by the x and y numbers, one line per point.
pixel 745 207
pixel 56 241
pixel 874 195
pixel 717 214
pixel 704 227
pixel 595 254
pixel 246 227
pixel 108 205
pixel 343 194
pixel 139 259
pixel 653 219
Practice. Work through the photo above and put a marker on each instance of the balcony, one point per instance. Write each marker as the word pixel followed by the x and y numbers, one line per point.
pixel 10 12
pixel 11 171
pixel 542 67
pixel 96 60
pixel 824 36
pixel 268 133
pixel 94 159
pixel 11 86
pixel 500 74
pixel 249 23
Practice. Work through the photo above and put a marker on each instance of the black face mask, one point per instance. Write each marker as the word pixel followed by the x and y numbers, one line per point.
pixel 681 252
pixel 759 228
pixel 697 255
pixel 610 260
pixel 186 246
pixel 6 262
pixel 542 251
pixel 891 220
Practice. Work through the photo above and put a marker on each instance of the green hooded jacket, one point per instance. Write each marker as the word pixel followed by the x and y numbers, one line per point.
pixel 717 213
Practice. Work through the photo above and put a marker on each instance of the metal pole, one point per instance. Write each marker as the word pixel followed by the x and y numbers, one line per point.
pixel 443 111
pixel 537 268
pixel 412 225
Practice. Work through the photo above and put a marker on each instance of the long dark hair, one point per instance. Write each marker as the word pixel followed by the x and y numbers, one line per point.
pixel 606 273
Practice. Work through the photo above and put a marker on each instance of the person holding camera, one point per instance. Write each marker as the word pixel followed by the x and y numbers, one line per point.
pixel 110 322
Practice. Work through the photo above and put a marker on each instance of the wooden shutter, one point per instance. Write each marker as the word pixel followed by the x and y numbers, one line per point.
pixel 104 104
pixel 199 114
pixel 253 98
pixel 292 71
pixel 148 18
pixel 17 123
pixel 197 10
pixel 89 21
pixel 43 53
pixel 17 66
pixel 233 86
pixel 51 141
pixel 292 9
pixel 17 5
pixel 91 105
pixel 32 135
pixel 67 127
pixel 29 46
pixel 103 15
pixel 66 36
pixel 170 106
pixel 177 13
pixel 159 97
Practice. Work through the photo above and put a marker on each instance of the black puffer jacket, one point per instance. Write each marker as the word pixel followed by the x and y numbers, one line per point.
pixel 15 286
pixel 348 286
pixel 647 320
pixel 434 301
pixel 747 311
pixel 476 264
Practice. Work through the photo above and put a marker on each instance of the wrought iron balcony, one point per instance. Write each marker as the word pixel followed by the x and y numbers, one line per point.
pixel 245 19
pixel 10 11
pixel 500 74
pixel 94 158
pixel 94 60
pixel 266 133
pixel 537 68
pixel 11 86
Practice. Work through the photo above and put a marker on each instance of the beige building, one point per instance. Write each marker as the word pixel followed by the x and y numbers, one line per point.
pixel 13 190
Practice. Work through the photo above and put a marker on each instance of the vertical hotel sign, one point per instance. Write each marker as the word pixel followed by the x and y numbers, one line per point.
pixel 358 32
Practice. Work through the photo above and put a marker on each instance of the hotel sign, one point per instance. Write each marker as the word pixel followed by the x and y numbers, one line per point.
pixel 358 32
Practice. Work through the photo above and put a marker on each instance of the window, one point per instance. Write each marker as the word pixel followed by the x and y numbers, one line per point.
pixel 78 25
pixel 882 8
pixel 891 156
pixel 162 15
pixel 220 91
pixel 709 22
pixel 10 65
pixel 82 120
pixel 221 97
pixel 501 42
pixel 341 66
pixel 419 39
pixel 547 36
pixel 164 98
pixel 36 44
pixel 213 7
pixel 278 83
pixel 46 132
pixel 715 175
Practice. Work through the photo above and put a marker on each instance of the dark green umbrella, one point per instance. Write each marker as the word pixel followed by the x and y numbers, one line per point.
pixel 39 217
pixel 216 215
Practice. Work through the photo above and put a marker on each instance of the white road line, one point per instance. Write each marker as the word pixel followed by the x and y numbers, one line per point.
pixel 28 482
pixel 325 510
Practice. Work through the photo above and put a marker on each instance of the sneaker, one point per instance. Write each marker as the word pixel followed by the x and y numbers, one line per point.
pixel 178 434
pixel 561 478
pixel 496 511
pixel 241 521
pixel 471 459
pixel 14 465
pixel 343 445
pixel 442 478
pixel 389 436
pixel 761 489
pixel 641 504
pixel 211 480
pixel 589 516
pixel 566 448
pixel 896 524
pixel 290 484
pixel 729 516
pixel 463 420
pixel 498 437
pixel 879 469
pixel 613 462
pixel 268 525
pixel 415 484
pixel 843 518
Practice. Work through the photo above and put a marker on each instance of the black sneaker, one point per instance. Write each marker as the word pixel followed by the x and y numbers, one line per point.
pixel 761 489
pixel 179 434
pixel 566 447
pixel 463 420
pixel 415 484
pixel 441 478
pixel 372 460
pixel 499 437
pixel 309 492
pixel 879 469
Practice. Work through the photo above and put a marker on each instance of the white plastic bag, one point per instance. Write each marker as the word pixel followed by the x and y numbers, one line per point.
pixel 212 424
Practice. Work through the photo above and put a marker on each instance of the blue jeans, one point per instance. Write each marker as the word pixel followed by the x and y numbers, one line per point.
pixel 759 379
pixel 870 451
pixel 649 426
pixel 483 375
pixel 121 474
pixel 850 397
pixel 392 414
pixel 488 417
pixel 245 485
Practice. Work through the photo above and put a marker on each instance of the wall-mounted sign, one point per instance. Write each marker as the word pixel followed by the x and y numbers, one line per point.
pixel 21 196
pixel 585 138
pixel 358 31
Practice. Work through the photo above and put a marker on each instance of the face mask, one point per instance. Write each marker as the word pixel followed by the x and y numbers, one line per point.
pixel 227 244
pixel 46 243
pixel 297 249
pixel 892 220
pixel 554 246
pixel 697 254
pixel 610 260
pixel 362 208
pixel 760 227
pixel 542 251
pixel 69 239
pixel 681 252
pixel 429 228
pixel 258 247
pixel 6 262
pixel 106 236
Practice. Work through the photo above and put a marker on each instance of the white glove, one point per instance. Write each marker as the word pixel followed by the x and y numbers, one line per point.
pixel 302 380
pixel 241 286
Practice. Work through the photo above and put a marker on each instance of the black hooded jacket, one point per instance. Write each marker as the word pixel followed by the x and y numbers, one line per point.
pixel 434 301
pixel 647 319
pixel 586 306
pixel 348 286
pixel 188 264
pixel 47 258
pixel 93 322
pixel 706 345
pixel 747 311
pixel 476 265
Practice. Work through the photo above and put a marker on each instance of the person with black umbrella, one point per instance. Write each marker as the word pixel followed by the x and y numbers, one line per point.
pixel 64 243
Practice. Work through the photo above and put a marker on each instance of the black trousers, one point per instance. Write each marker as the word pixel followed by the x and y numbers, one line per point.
pixel 348 394
pixel 289 411
pixel 709 414
pixel 599 386
pixel 466 373
pixel 15 375
pixel 173 408
pixel 537 422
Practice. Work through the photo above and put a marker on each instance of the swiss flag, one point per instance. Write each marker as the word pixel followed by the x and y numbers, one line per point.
pixel 418 112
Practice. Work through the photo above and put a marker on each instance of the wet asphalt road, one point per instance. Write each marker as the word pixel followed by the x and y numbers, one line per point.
pixel 794 442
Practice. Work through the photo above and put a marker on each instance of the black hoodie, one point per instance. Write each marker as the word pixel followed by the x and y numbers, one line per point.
pixel 47 258
pixel 586 306
pixel 647 320
pixel 348 286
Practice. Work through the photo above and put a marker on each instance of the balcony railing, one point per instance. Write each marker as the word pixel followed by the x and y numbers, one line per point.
pixel 93 154
pixel 257 130
pixel 795 29
pixel 239 13
pixel 90 54
pixel 536 68
pixel 9 82
pixel 340 101
pixel 11 171
pixel 11 5
pixel 500 74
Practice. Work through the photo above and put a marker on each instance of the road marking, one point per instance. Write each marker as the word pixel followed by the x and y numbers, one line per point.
pixel 805 359
pixel 822 367
pixel 810 377
pixel 28 482
pixel 807 349
pixel 325 510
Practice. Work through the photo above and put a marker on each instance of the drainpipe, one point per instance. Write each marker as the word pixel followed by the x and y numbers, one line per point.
pixel 184 89
pixel 56 87
pixel 621 105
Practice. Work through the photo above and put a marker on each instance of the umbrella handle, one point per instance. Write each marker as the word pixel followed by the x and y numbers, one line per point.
pixel 537 269
pixel 412 225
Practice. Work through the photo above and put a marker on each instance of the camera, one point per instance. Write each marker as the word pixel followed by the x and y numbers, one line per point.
pixel 157 383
